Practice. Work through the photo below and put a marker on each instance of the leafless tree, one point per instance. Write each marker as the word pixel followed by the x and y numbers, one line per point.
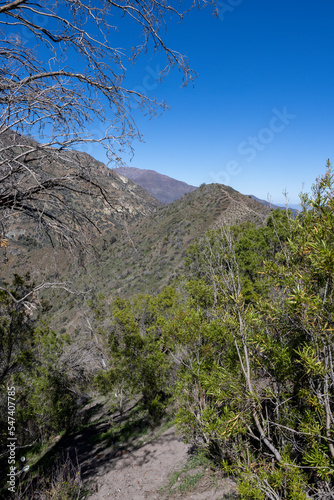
pixel 60 75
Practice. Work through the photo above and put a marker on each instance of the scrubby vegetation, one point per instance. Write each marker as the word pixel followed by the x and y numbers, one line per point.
pixel 38 397
pixel 246 342
pixel 241 346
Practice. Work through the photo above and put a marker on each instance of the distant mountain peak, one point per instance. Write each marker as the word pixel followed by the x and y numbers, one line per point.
pixel 164 188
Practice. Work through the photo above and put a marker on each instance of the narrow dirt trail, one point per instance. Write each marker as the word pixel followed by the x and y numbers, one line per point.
pixel 142 473
pixel 139 474
pixel 124 465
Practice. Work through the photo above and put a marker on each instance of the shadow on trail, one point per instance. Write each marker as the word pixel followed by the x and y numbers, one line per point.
pixel 96 446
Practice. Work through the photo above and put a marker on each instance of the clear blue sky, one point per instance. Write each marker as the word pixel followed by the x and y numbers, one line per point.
pixel 260 117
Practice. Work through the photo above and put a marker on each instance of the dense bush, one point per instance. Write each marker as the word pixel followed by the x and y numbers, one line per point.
pixel 243 346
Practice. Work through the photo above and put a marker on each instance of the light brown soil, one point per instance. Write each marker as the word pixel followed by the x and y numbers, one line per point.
pixel 141 474
pixel 136 468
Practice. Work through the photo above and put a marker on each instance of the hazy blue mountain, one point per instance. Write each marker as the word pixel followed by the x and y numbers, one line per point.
pixel 164 188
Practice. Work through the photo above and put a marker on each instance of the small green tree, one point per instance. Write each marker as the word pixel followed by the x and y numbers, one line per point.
pixel 46 401
pixel 140 364
pixel 16 328
pixel 32 372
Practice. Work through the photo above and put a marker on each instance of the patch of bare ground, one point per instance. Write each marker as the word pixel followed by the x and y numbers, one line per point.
pixel 122 457
pixel 129 461
pixel 147 473
pixel 140 473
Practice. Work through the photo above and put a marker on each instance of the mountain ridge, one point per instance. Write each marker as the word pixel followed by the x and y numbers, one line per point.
pixel 164 188
pixel 154 246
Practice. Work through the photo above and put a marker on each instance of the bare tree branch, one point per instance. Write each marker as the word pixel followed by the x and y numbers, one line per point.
pixel 60 76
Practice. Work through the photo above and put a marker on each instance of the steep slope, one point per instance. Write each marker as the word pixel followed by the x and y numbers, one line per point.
pixel 162 187
pixel 149 255
pixel 141 245
pixel 28 247
pixel 123 198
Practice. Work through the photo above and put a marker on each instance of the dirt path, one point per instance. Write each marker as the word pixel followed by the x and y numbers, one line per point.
pixel 121 459
pixel 140 473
